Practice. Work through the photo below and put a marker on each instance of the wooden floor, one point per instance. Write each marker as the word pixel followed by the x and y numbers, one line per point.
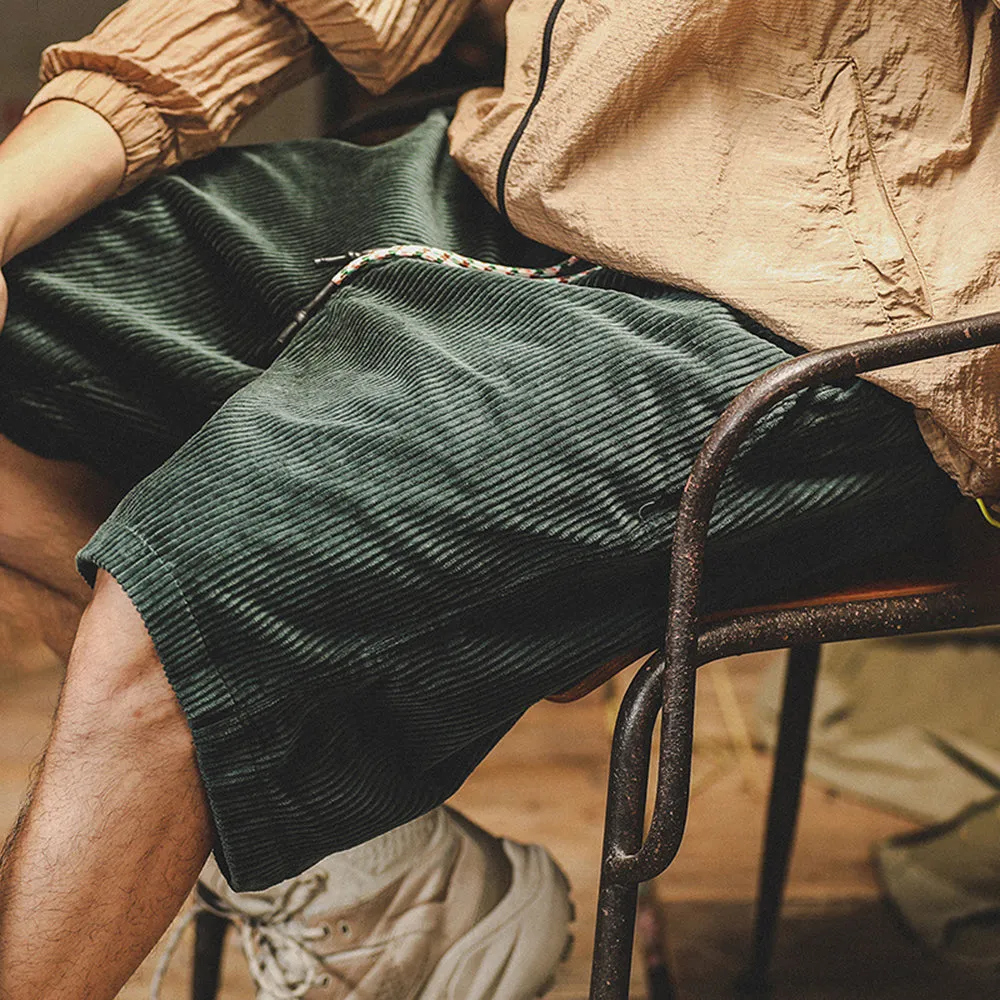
pixel 546 782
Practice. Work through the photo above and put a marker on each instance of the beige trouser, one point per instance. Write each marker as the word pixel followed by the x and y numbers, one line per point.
pixel 48 510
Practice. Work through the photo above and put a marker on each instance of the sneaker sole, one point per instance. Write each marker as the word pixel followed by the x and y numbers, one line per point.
pixel 514 951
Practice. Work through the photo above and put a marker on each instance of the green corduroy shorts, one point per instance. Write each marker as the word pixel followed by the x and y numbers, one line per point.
pixel 451 494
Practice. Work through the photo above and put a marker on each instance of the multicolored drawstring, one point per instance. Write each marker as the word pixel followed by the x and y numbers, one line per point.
pixel 564 271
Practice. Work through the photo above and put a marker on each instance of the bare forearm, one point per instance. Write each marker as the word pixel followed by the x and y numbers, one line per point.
pixel 62 160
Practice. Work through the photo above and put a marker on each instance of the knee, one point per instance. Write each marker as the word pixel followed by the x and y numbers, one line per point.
pixel 37 624
pixel 116 690
pixel 48 509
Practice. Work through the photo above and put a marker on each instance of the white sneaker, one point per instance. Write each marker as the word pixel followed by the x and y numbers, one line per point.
pixel 474 918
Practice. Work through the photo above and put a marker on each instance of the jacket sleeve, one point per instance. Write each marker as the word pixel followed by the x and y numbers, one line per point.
pixel 381 41
pixel 175 77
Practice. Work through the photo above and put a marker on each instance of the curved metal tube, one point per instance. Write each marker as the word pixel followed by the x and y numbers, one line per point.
pixel 623 825
pixel 686 570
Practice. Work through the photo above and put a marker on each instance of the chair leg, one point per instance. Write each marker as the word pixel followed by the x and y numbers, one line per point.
pixel 623 826
pixel 783 809
pixel 209 938
pixel 615 932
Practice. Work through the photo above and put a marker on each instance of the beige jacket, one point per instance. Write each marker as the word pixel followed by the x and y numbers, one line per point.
pixel 831 167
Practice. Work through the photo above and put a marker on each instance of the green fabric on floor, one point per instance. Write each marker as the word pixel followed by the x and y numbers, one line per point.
pixel 452 494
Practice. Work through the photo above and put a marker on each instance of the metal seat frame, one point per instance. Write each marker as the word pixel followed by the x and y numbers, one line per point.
pixel 666 683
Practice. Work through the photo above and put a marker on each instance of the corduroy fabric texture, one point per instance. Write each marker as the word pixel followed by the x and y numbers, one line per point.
pixel 452 494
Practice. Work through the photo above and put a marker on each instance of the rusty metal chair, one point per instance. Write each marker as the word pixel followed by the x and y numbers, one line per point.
pixel 944 594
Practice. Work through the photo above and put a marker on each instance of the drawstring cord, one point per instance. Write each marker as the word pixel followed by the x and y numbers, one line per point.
pixel 353 261
pixel 985 511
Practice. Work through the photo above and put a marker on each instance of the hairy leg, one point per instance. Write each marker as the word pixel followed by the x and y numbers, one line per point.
pixel 117 827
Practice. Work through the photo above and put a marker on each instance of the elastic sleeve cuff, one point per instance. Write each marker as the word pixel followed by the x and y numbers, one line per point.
pixel 141 128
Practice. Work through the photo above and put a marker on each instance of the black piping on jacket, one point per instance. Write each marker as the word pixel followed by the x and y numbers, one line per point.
pixel 543 72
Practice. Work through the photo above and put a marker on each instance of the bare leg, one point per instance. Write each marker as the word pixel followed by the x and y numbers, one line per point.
pixel 117 828
pixel 47 511
pixel 37 623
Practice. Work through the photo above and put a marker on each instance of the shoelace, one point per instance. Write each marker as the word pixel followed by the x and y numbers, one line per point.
pixel 283 963
pixel 563 272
